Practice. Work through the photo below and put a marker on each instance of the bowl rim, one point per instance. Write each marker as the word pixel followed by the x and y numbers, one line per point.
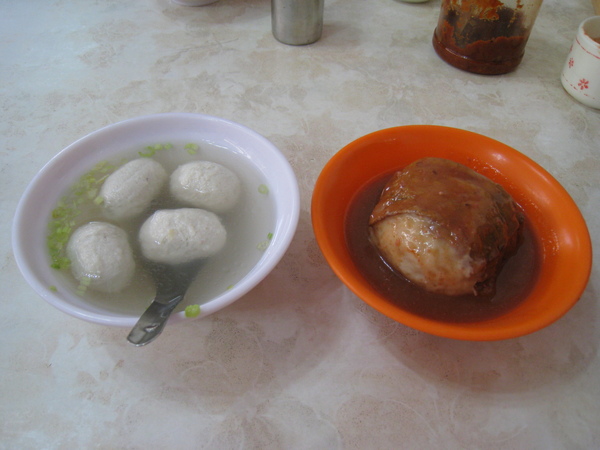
pixel 498 155
pixel 286 202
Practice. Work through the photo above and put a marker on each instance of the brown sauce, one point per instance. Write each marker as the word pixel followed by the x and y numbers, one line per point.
pixel 488 46
pixel 514 282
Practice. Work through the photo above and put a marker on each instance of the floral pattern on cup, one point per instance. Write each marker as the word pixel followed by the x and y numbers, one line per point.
pixel 581 73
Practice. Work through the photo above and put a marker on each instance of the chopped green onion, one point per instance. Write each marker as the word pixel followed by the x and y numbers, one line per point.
pixel 262 246
pixel 191 148
pixel 63 218
pixel 192 311
pixel 230 287
pixel 53 288
pixel 263 189
pixel 84 283
pixel 61 263
pixel 150 151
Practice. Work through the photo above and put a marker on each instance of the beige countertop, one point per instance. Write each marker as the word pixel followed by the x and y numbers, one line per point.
pixel 300 362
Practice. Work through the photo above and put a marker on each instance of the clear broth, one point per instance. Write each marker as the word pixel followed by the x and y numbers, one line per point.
pixel 248 227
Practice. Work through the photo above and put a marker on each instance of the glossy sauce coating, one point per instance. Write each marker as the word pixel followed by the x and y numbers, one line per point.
pixel 514 282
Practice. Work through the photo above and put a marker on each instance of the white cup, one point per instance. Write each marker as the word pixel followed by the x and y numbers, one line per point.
pixel 581 73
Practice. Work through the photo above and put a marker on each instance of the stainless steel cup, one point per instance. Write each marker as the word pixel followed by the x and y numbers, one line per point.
pixel 297 22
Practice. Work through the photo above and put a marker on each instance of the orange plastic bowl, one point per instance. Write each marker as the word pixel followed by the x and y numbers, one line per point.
pixel 558 226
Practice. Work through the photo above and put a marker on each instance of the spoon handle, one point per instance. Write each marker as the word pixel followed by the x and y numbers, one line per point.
pixel 152 322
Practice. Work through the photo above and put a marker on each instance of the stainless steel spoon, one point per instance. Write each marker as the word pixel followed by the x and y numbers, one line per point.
pixel 172 281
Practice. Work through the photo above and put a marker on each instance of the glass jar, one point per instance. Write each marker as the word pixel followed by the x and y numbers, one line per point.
pixel 484 36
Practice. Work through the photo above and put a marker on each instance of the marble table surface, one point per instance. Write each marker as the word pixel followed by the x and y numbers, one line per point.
pixel 299 362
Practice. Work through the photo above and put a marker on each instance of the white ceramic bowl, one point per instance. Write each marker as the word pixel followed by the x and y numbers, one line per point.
pixel 31 219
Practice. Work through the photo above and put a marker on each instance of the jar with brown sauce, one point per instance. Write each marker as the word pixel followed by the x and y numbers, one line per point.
pixel 484 36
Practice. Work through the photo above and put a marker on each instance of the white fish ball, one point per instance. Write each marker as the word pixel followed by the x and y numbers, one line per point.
pixel 207 185
pixel 129 190
pixel 101 257
pixel 175 236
